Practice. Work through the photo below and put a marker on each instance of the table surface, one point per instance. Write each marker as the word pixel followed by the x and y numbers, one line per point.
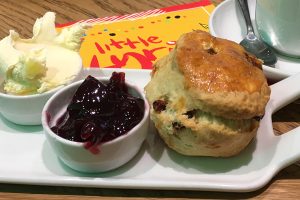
pixel 20 16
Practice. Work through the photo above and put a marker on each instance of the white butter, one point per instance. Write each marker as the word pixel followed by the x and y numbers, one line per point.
pixel 43 62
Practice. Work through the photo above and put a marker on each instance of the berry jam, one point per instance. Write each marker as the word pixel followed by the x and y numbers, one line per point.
pixel 99 113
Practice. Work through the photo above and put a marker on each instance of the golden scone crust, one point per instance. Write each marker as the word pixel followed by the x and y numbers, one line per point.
pixel 198 108
pixel 222 76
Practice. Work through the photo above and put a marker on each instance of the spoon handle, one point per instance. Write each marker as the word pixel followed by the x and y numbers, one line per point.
pixel 245 10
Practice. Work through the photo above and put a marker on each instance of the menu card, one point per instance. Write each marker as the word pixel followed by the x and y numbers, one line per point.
pixel 136 41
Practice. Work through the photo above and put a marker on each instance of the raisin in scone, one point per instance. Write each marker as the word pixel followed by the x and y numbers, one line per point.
pixel 207 96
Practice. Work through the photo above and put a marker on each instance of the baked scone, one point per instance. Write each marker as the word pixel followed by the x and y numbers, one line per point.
pixel 207 96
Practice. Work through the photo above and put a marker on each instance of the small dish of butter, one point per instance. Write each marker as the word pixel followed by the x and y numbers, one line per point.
pixel 32 70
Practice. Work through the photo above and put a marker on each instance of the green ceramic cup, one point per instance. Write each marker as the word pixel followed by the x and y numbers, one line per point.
pixel 278 23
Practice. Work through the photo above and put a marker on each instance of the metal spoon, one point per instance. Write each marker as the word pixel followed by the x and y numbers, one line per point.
pixel 251 42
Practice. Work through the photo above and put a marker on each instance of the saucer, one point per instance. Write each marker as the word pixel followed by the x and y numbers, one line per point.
pixel 227 22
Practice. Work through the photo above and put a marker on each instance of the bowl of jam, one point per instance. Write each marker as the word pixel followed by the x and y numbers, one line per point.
pixel 97 124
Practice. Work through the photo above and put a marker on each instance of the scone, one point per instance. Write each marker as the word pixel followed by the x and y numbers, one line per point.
pixel 207 96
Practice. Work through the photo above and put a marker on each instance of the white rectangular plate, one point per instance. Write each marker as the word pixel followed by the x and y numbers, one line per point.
pixel 26 157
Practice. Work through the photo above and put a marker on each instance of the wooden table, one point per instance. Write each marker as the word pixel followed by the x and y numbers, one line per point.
pixel 20 15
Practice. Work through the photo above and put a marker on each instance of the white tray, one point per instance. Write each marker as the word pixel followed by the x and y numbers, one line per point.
pixel 227 21
pixel 26 157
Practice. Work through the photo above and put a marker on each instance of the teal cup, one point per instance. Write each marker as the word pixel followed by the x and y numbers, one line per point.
pixel 278 23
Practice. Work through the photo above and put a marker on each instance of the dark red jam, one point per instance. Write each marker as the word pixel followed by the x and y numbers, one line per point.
pixel 100 112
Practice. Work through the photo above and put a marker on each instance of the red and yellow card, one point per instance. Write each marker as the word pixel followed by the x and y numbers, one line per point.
pixel 137 40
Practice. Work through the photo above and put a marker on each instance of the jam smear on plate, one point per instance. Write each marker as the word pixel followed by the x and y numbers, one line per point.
pixel 100 112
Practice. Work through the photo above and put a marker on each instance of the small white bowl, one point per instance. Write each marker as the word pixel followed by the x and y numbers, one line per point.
pixel 112 154
pixel 26 109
